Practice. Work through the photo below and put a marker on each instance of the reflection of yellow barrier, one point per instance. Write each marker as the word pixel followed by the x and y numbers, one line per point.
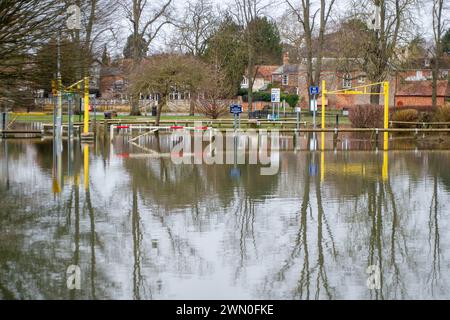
pixel 322 155
pixel 86 166
pixel 56 188
pixel 385 170
pixel 322 166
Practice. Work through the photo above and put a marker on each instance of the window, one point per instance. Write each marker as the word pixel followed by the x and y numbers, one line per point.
pixel 244 82
pixel 362 79
pixel 285 80
pixel 347 81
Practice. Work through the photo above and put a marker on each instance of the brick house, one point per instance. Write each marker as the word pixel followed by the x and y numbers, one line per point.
pixel 287 76
pixel 263 77
pixel 419 93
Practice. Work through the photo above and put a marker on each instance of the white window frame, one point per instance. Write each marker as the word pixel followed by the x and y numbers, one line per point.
pixel 285 79
pixel 362 79
pixel 347 81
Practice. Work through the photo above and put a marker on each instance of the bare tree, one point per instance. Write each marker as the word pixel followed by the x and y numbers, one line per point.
pixel 24 25
pixel 162 74
pixel 439 26
pixel 245 12
pixel 214 93
pixel 144 28
pixel 396 19
pixel 291 33
pixel 198 24
pixel 307 14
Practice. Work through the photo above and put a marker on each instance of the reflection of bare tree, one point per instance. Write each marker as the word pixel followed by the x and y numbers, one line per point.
pixel 245 219
pixel 321 219
pixel 301 249
pixel 137 241
pixel 376 197
pixel 433 236
pixel 395 238
pixel 92 240
pixel 76 254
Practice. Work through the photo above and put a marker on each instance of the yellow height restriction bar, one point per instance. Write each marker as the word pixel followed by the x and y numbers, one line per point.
pixel 86 106
pixel 364 90
pixel 77 87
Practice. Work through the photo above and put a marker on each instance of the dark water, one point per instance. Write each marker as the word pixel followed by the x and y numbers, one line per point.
pixel 144 228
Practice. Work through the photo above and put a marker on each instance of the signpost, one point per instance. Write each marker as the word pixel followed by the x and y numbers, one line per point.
pixel 236 109
pixel 313 91
pixel 275 98
pixel 298 111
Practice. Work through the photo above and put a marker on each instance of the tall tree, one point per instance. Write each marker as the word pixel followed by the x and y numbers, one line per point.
pixel 446 42
pixel 135 47
pixel 24 25
pixel 226 50
pixel 97 29
pixel 439 24
pixel 291 33
pixel 144 28
pixel 306 16
pixel 248 14
pixel 380 49
pixel 195 28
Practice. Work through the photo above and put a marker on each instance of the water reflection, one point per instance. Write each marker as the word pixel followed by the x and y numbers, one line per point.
pixel 145 228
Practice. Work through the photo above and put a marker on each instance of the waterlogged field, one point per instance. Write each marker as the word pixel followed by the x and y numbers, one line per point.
pixel 121 220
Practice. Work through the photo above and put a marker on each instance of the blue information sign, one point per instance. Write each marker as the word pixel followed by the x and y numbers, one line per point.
pixel 236 109
pixel 313 90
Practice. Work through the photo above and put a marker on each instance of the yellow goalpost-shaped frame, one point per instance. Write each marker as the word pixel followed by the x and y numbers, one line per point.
pixel 361 90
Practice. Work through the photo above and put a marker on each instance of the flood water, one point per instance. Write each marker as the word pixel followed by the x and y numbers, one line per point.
pixel 145 228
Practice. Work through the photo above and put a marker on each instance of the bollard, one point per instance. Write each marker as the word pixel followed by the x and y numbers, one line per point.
pixel 4 121
pixel 335 137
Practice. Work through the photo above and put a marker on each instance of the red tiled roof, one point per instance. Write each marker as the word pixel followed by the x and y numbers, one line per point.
pixel 423 88
pixel 266 72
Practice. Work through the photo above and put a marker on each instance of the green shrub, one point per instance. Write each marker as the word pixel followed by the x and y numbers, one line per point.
pixel 442 114
pixel 291 99
pixel 366 116
pixel 407 115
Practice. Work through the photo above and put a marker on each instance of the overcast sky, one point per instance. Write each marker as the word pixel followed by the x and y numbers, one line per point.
pixel 276 9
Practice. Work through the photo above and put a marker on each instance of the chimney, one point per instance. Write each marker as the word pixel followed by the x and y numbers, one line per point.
pixel 286 58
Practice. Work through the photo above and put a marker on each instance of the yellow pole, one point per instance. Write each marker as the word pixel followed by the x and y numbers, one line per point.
pixel 323 103
pixel 86 166
pixel 386 115
pixel 86 105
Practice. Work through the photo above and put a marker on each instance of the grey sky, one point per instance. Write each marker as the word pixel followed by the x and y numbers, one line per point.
pixel 276 9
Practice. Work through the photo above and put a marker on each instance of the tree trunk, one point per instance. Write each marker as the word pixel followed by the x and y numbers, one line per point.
pixel 160 106
pixel 135 105
pixel 191 108
pixel 434 74
pixel 375 98
pixel 250 68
